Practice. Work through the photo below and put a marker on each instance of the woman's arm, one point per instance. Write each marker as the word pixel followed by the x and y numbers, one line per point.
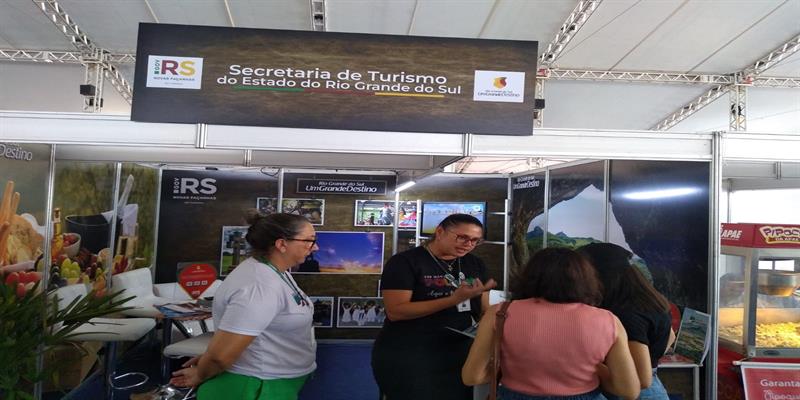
pixel 671 340
pixel 485 302
pixel 476 368
pixel 640 353
pixel 399 306
pixel 224 349
pixel 620 376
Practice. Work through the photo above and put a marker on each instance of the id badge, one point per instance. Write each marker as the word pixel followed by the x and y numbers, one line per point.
pixel 464 306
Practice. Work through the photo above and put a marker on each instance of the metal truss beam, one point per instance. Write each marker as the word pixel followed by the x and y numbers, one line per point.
pixel 574 22
pixel 737 121
pixel 538 115
pixel 318 16
pixel 51 56
pixel 746 77
pixel 65 24
pixel 693 107
pixel 773 58
pixel 665 77
pixel 637 76
pixel 92 55
pixel 776 82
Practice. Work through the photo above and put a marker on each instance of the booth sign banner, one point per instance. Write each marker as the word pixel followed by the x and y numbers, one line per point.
pixel 341 186
pixel 761 235
pixel 324 80
pixel 771 381
pixel 196 278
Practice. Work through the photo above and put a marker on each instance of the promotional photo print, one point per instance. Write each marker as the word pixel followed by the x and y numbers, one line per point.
pixel 360 312
pixel 348 253
pixel 234 248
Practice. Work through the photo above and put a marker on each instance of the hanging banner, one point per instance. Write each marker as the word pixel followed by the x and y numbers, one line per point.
pixel 341 186
pixel 304 79
pixel 24 169
pixel 770 381
pixel 196 207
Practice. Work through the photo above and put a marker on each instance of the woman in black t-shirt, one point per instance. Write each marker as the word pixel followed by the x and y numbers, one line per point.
pixel 426 290
pixel 643 311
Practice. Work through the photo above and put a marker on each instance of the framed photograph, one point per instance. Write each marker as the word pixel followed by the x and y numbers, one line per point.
pixel 407 215
pixel 360 312
pixel 267 205
pixel 235 248
pixel 374 213
pixel 382 213
pixel 323 311
pixel 346 253
pixel 312 209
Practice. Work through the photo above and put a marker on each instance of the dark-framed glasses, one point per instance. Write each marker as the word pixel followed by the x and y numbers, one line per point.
pixel 312 241
pixel 464 239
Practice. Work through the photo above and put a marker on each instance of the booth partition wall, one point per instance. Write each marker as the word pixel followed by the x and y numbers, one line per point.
pixel 657 194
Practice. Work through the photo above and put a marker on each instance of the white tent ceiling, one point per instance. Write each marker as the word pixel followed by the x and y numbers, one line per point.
pixel 686 36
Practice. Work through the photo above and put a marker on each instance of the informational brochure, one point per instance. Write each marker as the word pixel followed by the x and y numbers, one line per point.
pixel 470 332
pixel 185 309
pixel 693 338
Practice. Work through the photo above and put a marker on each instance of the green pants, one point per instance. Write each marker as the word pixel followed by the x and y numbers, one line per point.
pixel 241 387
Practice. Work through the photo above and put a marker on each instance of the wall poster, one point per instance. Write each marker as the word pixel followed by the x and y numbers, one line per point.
pixel 345 253
pixel 527 204
pixel 575 211
pixel 196 206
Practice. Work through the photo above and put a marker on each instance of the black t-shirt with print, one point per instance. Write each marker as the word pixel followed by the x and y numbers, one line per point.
pixel 418 271
pixel 648 328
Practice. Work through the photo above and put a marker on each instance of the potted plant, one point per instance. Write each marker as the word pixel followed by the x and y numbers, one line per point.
pixel 31 322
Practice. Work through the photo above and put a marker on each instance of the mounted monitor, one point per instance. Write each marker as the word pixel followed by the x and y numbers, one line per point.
pixel 433 212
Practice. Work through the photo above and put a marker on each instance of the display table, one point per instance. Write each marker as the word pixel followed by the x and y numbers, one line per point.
pixel 168 320
pixel 668 362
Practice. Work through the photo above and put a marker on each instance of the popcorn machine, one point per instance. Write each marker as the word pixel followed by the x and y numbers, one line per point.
pixel 759 301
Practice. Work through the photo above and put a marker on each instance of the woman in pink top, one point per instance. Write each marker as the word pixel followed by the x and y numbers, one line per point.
pixel 556 344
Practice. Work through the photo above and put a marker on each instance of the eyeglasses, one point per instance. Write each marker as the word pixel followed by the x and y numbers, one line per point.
pixel 464 239
pixel 312 241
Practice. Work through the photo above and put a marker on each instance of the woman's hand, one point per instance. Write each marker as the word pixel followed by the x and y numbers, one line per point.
pixel 466 290
pixel 187 377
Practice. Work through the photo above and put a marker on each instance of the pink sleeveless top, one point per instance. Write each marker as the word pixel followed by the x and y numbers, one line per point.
pixel 551 349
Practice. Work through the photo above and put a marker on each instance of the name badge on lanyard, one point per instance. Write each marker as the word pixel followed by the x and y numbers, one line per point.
pixel 465 305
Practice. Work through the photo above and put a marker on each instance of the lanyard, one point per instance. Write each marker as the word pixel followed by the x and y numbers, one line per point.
pixel 448 271
pixel 298 295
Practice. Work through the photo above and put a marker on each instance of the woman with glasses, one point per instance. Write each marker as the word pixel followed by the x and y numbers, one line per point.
pixel 427 290
pixel 263 346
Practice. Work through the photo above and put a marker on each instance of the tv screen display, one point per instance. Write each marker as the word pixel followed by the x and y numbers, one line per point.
pixel 433 212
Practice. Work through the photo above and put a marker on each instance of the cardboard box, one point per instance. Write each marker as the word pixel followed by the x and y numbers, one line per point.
pixel 69 365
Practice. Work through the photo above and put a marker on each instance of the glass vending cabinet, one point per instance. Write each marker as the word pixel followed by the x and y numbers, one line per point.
pixel 759 309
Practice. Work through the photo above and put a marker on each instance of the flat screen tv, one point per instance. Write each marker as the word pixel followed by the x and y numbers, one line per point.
pixel 433 212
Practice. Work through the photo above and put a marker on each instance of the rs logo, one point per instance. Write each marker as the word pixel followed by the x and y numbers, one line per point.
pixel 190 185
pixel 165 66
